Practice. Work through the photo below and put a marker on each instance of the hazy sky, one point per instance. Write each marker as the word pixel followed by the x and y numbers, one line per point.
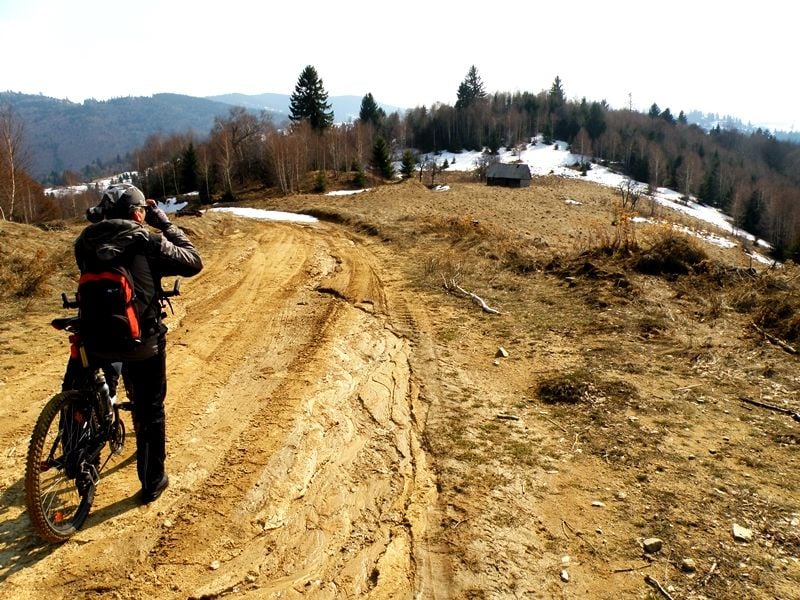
pixel 731 58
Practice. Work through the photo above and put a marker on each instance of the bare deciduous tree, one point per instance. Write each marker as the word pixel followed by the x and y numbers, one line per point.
pixel 12 159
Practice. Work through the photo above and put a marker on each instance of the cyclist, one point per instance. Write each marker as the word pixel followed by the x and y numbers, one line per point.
pixel 117 233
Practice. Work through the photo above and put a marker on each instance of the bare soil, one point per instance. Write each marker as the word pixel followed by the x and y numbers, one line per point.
pixel 342 422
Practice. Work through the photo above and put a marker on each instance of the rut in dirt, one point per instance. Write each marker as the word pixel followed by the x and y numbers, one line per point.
pixel 295 449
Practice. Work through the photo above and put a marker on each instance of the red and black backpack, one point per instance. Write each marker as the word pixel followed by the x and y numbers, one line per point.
pixel 110 320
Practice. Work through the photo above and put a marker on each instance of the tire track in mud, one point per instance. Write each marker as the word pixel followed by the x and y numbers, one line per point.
pixel 295 453
pixel 326 508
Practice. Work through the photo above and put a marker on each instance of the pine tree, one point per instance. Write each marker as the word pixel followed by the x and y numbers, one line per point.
pixel 596 121
pixel 555 96
pixel 370 111
pixel 470 90
pixel 309 102
pixel 382 159
pixel 188 174
pixel 408 164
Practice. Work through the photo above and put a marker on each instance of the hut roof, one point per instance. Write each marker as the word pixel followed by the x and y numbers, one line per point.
pixel 508 171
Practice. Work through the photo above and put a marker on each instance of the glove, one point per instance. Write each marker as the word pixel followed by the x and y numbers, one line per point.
pixel 155 217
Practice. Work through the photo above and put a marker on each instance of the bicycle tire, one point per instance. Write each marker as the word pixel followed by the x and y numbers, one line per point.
pixel 56 504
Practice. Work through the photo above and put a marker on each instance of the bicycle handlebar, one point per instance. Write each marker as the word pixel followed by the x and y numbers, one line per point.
pixel 175 291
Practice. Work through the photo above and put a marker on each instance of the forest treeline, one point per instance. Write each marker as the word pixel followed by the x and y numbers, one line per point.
pixel 753 176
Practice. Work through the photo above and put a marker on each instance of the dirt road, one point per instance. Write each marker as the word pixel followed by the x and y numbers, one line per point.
pixel 294 453
pixel 340 426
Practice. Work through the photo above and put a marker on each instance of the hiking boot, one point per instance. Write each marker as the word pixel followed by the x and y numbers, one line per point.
pixel 149 495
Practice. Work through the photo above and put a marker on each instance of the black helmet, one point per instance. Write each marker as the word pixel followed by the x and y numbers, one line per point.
pixel 116 203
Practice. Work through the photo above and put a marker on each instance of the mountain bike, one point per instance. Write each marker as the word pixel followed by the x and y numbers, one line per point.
pixel 64 462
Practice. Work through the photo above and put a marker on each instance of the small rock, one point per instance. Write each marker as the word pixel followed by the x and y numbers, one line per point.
pixel 688 565
pixel 652 545
pixel 564 575
pixel 621 495
pixel 565 560
pixel 501 353
pixel 598 504
pixel 167 523
pixel 794 522
pixel 214 565
pixel 496 363
pixel 742 534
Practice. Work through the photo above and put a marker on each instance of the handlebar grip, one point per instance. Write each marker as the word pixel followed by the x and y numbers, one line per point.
pixel 67 303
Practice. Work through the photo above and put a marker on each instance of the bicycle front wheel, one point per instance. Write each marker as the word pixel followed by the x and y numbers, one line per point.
pixel 60 473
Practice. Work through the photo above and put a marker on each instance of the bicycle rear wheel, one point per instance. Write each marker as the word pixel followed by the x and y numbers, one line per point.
pixel 60 472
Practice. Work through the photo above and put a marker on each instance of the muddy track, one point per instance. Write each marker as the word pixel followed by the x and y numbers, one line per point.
pixel 293 437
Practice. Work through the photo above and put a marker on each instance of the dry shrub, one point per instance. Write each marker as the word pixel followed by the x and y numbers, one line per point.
pixel 673 254
pixel 569 388
pixel 23 276
pixel 773 301
pixel 445 267
pixel 780 316
pixel 464 230
pixel 521 260
pixel 582 385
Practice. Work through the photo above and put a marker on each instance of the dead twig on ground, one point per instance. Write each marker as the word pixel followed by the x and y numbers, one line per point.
pixel 786 411
pixel 507 417
pixel 549 420
pixel 709 574
pixel 578 535
pixel 652 582
pixel 775 340
pixel 453 285
pixel 631 569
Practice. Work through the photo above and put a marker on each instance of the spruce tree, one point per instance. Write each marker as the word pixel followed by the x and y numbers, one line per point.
pixel 408 164
pixel 382 159
pixel 370 111
pixel 188 174
pixel 470 90
pixel 309 102
pixel 556 97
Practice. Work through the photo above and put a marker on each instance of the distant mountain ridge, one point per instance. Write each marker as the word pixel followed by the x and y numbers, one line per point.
pixel 67 136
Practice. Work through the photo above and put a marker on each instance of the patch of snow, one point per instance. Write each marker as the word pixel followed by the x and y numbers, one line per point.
pixel 347 192
pixel 266 215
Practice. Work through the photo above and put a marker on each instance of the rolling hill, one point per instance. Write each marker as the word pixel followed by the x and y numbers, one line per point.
pixel 63 135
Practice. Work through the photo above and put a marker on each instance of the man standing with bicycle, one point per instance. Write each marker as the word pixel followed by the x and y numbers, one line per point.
pixel 118 236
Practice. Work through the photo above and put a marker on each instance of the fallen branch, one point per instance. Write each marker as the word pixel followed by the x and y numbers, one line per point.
pixel 507 417
pixel 554 423
pixel 652 582
pixel 710 573
pixel 453 285
pixel 775 340
pixel 578 535
pixel 786 411
pixel 630 569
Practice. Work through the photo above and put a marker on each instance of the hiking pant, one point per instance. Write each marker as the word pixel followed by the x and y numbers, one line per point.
pixel 146 386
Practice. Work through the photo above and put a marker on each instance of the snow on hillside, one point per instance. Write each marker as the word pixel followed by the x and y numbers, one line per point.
pixel 556 159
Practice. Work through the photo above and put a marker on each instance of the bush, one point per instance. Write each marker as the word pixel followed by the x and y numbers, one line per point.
pixel 673 254
pixel 320 183
pixel 23 276
pixel 568 388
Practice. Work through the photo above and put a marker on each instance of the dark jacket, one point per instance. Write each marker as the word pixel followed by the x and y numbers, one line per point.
pixel 149 257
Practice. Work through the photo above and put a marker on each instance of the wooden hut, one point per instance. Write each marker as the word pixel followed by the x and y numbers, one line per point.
pixel 516 175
